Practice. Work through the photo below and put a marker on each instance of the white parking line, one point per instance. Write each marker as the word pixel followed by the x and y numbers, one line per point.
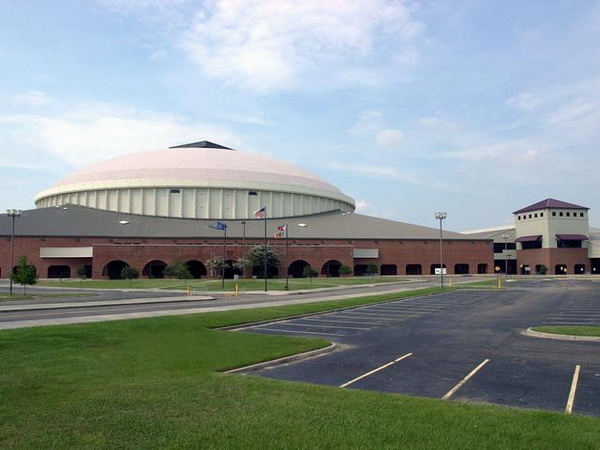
pixel 571 400
pixel 349 321
pixel 464 380
pixel 298 331
pixel 375 370
pixel 305 325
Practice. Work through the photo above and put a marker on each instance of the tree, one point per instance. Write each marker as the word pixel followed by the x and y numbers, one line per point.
pixel 255 259
pixel 372 269
pixel 82 272
pixel 25 274
pixel 215 266
pixel 309 272
pixel 345 270
pixel 129 273
pixel 178 270
pixel 543 270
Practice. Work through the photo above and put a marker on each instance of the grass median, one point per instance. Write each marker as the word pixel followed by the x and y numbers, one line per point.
pixel 157 383
pixel 216 284
pixel 570 330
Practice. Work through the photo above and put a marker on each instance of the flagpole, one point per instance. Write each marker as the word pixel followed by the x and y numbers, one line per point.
pixel 287 252
pixel 223 262
pixel 265 251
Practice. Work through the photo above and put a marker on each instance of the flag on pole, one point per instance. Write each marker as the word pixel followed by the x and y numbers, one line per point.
pixel 281 232
pixel 218 226
pixel 261 213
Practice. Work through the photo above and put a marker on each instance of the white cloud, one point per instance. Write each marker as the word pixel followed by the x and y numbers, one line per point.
pixel 267 45
pixel 92 132
pixel 33 99
pixel 371 170
pixel 389 138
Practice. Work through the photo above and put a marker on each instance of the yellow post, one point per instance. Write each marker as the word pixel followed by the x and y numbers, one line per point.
pixel 189 290
pixel 237 289
pixel 499 282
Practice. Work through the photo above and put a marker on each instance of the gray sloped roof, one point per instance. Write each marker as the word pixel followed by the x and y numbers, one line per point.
pixel 77 221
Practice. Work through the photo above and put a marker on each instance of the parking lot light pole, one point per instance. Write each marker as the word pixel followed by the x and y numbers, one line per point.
pixel 441 216
pixel 505 237
pixel 14 213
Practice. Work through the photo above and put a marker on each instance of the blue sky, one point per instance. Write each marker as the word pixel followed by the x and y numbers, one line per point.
pixel 477 108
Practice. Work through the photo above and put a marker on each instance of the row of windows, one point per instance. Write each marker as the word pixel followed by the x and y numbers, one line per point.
pixel 554 214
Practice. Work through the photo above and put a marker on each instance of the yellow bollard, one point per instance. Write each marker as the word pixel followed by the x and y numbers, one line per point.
pixel 237 289
pixel 189 290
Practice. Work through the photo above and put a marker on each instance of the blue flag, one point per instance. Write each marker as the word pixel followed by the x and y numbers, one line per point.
pixel 219 226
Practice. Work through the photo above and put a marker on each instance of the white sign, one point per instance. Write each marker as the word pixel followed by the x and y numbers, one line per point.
pixel 438 271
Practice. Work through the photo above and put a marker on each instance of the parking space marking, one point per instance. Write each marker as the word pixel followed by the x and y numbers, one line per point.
pixel 276 330
pixel 375 370
pixel 324 326
pixel 571 400
pixel 465 379
pixel 352 322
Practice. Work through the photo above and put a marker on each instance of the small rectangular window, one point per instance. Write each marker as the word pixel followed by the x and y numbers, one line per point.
pixel 560 214
pixel 530 216
pixel 554 213
pixel 581 215
pixel 541 214
pixel 518 217
pixel 535 215
pixel 568 214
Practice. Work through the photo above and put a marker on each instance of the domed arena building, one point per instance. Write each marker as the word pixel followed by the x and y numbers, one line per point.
pixel 201 180
pixel 196 202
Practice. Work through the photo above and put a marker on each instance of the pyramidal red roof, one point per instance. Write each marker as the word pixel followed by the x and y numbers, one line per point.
pixel 550 203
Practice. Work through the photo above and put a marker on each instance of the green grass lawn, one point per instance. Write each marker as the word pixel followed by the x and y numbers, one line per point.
pixel 571 330
pixel 215 285
pixel 37 296
pixel 156 383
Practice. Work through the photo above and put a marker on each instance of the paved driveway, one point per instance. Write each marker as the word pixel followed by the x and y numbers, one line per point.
pixel 462 345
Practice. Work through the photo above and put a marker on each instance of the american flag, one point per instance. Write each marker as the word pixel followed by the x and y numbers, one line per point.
pixel 260 213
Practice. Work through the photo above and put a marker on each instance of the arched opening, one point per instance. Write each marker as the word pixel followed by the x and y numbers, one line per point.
pixel 414 269
pixel 560 269
pixel 196 268
pixel 231 270
pixel 482 268
pixel 154 269
pixel 435 269
pixel 360 270
pixel 272 272
pixel 579 269
pixel 331 268
pixel 296 268
pixel 113 269
pixel 389 269
pixel 59 271
pixel 461 269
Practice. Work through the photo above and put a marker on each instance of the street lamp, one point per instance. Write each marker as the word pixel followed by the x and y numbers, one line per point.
pixel 441 216
pixel 505 237
pixel 243 249
pixel 14 213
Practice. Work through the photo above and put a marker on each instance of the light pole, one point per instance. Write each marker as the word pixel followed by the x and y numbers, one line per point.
pixel 441 216
pixel 243 249
pixel 14 213
pixel 287 257
pixel 505 237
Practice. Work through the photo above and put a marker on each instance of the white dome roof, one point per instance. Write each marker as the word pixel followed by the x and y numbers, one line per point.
pixel 199 180
pixel 197 164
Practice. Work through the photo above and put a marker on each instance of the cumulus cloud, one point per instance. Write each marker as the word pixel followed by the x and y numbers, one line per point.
pixel 268 45
pixel 90 132
pixel 371 122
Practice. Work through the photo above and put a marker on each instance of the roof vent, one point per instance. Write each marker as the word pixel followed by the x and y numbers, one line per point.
pixel 202 144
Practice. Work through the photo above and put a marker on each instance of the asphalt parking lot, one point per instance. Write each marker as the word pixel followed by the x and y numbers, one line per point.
pixel 463 345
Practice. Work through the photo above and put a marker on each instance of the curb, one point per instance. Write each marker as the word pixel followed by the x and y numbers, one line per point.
pixel 559 337
pixel 286 359
pixel 92 304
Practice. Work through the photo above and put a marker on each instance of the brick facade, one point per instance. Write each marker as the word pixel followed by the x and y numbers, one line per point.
pixel 476 256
